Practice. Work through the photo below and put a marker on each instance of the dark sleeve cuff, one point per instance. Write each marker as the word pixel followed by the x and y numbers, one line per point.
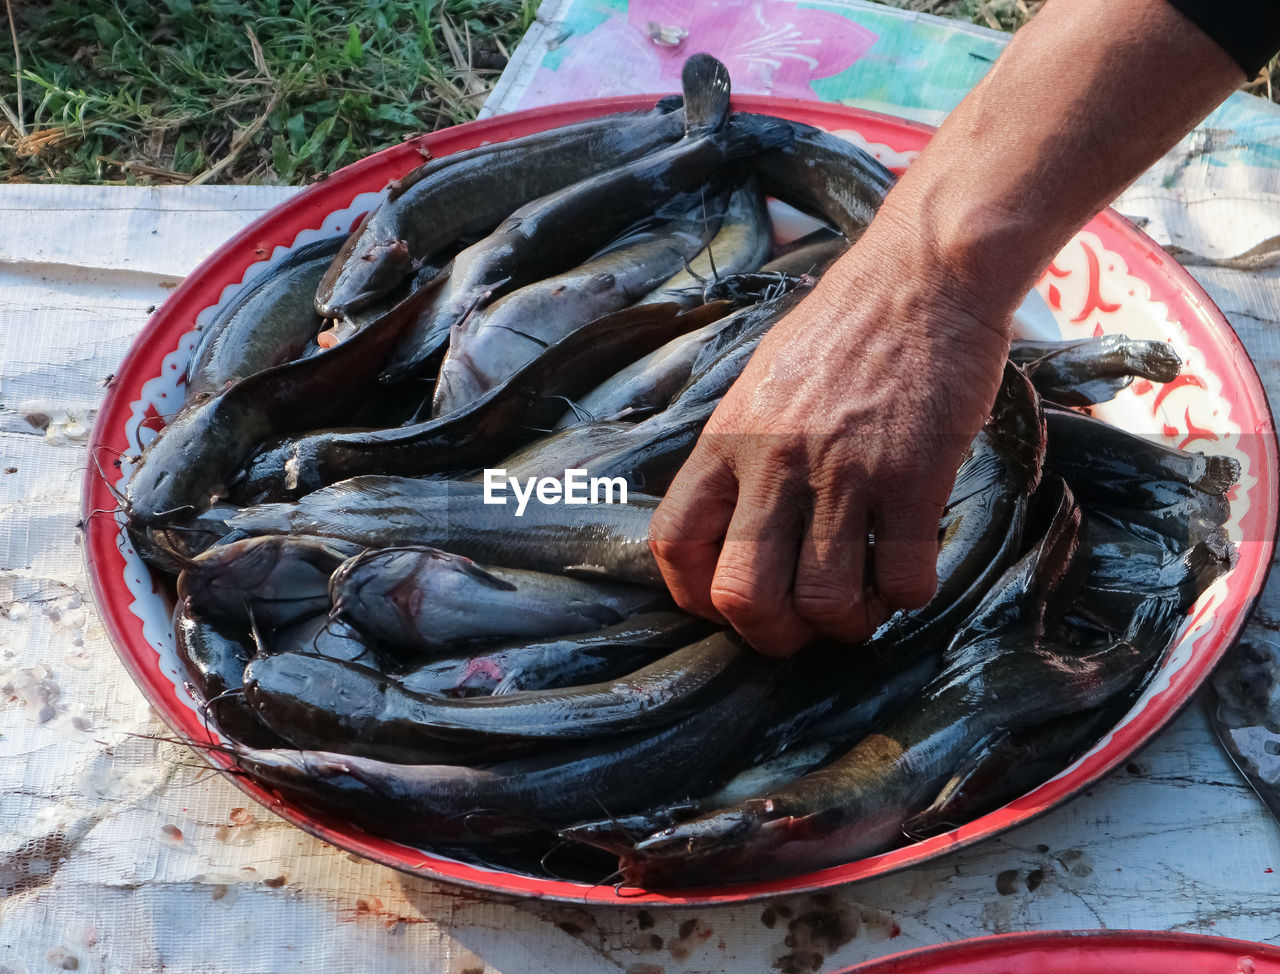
pixel 1248 30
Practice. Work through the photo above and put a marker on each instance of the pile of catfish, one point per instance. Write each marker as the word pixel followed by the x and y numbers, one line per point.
pixel 582 298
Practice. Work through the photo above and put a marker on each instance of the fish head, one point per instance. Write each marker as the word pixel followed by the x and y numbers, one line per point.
pixel 297 772
pixel 181 472
pixel 690 853
pixel 276 766
pixel 382 592
pixel 371 270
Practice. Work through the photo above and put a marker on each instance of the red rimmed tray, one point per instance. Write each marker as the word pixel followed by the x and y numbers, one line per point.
pixel 1110 278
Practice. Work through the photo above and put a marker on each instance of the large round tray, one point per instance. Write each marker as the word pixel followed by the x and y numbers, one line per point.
pixel 1110 278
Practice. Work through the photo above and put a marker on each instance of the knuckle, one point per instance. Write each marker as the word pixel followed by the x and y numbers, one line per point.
pixel 663 546
pixel 742 606
pixel 825 604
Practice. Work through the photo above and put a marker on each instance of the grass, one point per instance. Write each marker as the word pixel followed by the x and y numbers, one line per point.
pixel 192 91
pixel 228 91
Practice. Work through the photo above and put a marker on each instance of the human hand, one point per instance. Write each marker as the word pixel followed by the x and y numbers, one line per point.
pixel 851 418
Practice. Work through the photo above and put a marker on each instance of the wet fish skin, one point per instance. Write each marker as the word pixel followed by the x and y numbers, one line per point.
pixel 741 244
pixel 563 228
pixel 745 326
pixel 308 698
pixel 425 598
pixel 652 384
pixel 170 547
pixel 267 323
pixel 646 455
pixel 322 635
pixel 558 661
pixel 826 175
pixel 601 540
pixel 982 525
pixel 318 701
pixel 811 254
pixel 471 191
pixel 1169 495
pixel 856 805
pixel 652 452
pixel 497 341
pixel 483 432
pixel 1102 460
pixel 213 654
pixel 1010 765
pixel 823 700
pixel 896 668
pixel 619 834
pixel 1126 570
pixel 450 803
pixel 643 387
pixel 1040 586
pixel 1006 676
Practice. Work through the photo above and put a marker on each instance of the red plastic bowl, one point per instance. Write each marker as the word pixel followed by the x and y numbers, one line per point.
pixel 1084 952
pixel 1110 278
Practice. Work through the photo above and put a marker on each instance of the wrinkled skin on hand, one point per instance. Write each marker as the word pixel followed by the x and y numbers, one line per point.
pixel 851 419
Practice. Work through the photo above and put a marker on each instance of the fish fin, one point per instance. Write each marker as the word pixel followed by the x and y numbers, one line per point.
pixel 484 577
pixel 669 104
pixel 484 823
pixel 508 683
pixel 706 94
pixel 265 518
pixel 601 283
pixel 632 413
pixel 580 414
pixel 524 334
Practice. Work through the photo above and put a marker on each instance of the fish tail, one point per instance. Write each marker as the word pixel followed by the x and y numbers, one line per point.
pixel 264 519
pixel 706 94
pixel 1219 474
pixel 1153 624
pixel 1153 360
pixel 1205 562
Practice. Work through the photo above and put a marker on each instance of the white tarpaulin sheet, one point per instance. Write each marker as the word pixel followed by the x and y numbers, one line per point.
pixel 122 853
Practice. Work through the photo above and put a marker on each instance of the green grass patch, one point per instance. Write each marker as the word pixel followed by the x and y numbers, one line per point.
pixel 224 91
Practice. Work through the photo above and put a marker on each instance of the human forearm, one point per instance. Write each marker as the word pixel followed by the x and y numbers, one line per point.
pixel 1087 96
pixel 853 414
